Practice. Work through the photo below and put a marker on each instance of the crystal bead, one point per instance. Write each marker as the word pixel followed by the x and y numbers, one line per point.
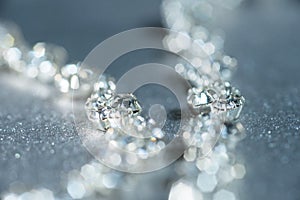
pixel 93 105
pixel 119 111
pixel 201 100
pixel 127 103
pixel 98 112
pixel 232 103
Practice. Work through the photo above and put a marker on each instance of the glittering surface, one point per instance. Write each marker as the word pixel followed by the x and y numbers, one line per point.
pixel 38 142
pixel 269 77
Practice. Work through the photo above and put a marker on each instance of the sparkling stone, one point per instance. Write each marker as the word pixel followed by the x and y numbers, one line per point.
pixel 91 107
pixel 97 111
pixel 231 104
pixel 119 111
pixel 224 195
pixel 127 103
pixel 125 116
pixel 206 182
pixel 201 100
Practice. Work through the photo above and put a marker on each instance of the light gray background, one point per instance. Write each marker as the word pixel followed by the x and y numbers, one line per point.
pixel 263 36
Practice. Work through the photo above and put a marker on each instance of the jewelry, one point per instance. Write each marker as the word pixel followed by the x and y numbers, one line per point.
pixel 212 99
pixel 209 93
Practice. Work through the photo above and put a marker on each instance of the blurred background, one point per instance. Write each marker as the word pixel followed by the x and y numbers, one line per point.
pixel 38 143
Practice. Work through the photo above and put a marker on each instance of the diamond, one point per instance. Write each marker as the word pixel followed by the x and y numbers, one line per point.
pixel 98 112
pixel 115 111
pixel 127 103
pixel 231 104
pixel 201 100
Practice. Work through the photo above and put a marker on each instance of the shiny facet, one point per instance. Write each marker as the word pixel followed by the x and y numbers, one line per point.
pixel 201 100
